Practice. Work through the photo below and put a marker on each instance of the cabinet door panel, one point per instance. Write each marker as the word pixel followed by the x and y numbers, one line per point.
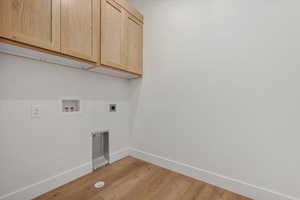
pixel 134 43
pixel 112 41
pixel 80 28
pixel 5 28
pixel 32 22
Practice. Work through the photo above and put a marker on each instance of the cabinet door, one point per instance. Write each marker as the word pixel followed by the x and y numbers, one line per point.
pixel 32 22
pixel 134 44
pixel 5 28
pixel 80 28
pixel 112 35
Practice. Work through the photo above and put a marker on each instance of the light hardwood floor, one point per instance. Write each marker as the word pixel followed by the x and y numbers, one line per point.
pixel 133 179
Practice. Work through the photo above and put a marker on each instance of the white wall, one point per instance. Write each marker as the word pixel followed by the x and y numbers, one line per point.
pixel 221 88
pixel 32 150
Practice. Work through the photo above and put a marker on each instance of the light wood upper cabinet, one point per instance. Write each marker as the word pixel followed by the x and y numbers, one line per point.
pixel 112 34
pixel 121 36
pixel 5 18
pixel 32 22
pixel 105 33
pixel 80 21
pixel 134 44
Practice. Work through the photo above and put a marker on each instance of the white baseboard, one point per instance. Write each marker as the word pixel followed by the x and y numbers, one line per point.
pixel 120 154
pixel 36 189
pixel 237 186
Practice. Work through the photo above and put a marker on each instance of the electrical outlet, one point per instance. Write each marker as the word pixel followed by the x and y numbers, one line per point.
pixel 112 107
pixel 35 111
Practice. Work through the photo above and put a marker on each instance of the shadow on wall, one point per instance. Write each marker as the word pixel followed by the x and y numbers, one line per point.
pixel 26 79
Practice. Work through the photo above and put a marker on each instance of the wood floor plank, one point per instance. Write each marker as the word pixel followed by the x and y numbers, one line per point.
pixel 230 196
pixel 147 189
pixel 133 179
pixel 174 188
